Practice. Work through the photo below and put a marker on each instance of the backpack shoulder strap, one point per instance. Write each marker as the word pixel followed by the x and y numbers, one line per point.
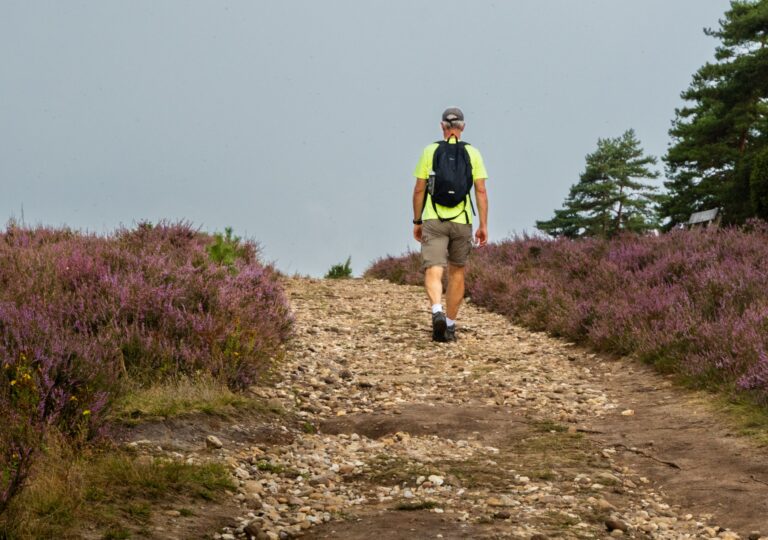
pixel 469 193
pixel 441 146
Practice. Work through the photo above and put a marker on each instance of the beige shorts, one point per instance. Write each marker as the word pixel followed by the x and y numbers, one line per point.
pixel 445 242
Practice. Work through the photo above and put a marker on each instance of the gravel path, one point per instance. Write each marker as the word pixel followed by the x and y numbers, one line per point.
pixel 404 438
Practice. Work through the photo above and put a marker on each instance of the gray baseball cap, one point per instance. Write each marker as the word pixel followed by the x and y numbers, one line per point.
pixel 453 114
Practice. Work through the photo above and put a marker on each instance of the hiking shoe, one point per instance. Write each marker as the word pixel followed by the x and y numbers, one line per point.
pixel 439 325
pixel 450 333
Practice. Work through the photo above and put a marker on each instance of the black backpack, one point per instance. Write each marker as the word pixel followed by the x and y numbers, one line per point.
pixel 452 180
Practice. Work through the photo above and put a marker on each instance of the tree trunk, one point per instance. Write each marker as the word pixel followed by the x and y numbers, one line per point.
pixel 618 214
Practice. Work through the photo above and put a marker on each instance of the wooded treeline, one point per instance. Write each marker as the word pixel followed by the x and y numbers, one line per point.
pixel 718 157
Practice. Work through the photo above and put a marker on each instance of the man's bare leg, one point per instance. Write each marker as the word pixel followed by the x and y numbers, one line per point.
pixel 433 281
pixel 455 294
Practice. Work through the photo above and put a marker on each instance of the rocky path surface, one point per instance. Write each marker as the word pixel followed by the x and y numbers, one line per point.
pixel 505 434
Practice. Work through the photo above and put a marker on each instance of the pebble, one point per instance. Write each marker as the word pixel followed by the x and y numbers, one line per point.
pixel 436 480
pixel 212 441
pixel 608 478
pixel 615 524
pixel 602 504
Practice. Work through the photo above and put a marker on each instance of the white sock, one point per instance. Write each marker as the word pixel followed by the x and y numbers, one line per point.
pixel 450 322
pixel 437 308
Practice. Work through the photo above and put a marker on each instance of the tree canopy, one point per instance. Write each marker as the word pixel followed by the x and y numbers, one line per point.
pixel 612 194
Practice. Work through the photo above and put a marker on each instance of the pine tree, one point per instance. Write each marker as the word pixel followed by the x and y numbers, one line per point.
pixel 611 195
pixel 718 135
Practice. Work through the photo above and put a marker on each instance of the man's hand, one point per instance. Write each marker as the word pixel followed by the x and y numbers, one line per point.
pixel 481 235
pixel 419 193
pixel 417 229
pixel 482 207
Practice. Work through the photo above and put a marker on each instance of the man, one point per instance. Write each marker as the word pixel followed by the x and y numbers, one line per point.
pixel 445 231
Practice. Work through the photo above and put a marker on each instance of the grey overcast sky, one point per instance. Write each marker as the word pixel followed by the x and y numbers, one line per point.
pixel 299 123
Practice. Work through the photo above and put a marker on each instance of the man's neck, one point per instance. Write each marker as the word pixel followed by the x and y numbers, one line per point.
pixel 447 135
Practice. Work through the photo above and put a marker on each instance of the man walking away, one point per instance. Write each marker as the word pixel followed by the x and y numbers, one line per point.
pixel 442 217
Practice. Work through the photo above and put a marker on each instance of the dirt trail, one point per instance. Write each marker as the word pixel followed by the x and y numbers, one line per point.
pixel 505 434
pixel 532 398
pixel 691 454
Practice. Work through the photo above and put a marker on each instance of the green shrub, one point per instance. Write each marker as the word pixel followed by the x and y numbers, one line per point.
pixel 340 271
pixel 226 248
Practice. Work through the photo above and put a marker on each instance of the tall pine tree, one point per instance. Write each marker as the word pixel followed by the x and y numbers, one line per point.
pixel 611 194
pixel 718 136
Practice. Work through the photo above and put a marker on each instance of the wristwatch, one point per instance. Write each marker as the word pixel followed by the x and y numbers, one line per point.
pixel 417 222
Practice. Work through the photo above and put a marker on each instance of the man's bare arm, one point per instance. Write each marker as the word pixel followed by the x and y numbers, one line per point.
pixel 481 194
pixel 418 205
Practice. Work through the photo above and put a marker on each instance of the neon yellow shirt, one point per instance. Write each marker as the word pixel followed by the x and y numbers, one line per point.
pixel 424 167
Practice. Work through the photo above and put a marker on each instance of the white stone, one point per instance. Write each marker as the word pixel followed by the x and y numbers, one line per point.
pixel 212 441
pixel 436 480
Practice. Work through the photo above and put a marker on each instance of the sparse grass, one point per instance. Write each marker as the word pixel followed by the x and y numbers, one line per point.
pixel 482 371
pixel 277 468
pixel 117 534
pixel 552 449
pixel 479 473
pixel 597 517
pixel 268 466
pixel 543 474
pixel 139 511
pixel 388 470
pixel 184 395
pixel 546 426
pixel 544 453
pixel 746 415
pixel 130 479
pixel 112 493
pixel 559 520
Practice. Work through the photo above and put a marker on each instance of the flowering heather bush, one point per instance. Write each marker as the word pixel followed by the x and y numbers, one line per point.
pixel 404 270
pixel 694 302
pixel 79 313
